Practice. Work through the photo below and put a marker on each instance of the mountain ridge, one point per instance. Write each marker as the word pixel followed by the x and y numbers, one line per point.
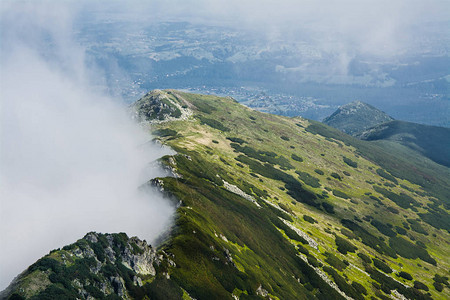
pixel 287 208
pixel 431 141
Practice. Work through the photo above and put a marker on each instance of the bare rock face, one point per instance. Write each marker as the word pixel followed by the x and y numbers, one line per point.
pixel 261 292
pixel 119 286
pixel 142 261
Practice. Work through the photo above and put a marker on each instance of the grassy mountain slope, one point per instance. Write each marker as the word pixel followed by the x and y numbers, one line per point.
pixel 261 154
pixel 356 117
pixel 398 160
pixel 286 208
pixel 431 141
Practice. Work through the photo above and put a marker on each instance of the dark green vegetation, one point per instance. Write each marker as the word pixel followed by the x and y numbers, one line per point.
pixel 409 250
pixel 309 219
pixel 336 175
pixel 420 285
pixel 213 123
pixel 341 194
pixel 415 225
pixel 381 265
pixel 263 156
pixel 335 262
pixel 386 175
pixel 297 158
pixel 308 179
pixel 320 172
pixel 350 162
pixel 383 228
pixel 344 246
pixel 405 275
pixel 387 284
pixel 440 282
pixel 264 215
pixel 236 140
pixel 368 238
pixel 244 225
pixel 293 187
pixel 350 290
pixel 364 258
pixel 402 199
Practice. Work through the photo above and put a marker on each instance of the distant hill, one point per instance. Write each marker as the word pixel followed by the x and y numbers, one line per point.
pixel 355 117
pixel 431 141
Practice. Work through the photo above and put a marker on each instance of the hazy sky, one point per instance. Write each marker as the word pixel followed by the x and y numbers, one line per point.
pixel 71 161
pixel 372 26
pixel 335 33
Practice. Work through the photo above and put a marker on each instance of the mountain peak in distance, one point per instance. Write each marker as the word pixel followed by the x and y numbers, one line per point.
pixel 356 117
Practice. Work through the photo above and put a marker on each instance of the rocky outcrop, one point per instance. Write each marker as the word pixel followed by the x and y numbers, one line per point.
pixel 94 267
pixel 261 292
pixel 310 240
pixel 234 189
pixel 160 106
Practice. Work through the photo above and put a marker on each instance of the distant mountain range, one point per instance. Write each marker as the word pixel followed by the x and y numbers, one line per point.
pixel 299 76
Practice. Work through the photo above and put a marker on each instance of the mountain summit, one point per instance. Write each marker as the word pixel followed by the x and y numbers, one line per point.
pixel 356 117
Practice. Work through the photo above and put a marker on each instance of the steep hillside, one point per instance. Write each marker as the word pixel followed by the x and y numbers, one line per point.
pixel 356 117
pixel 431 141
pixel 279 161
pixel 282 208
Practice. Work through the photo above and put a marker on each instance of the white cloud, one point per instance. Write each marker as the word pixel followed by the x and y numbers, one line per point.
pixel 71 161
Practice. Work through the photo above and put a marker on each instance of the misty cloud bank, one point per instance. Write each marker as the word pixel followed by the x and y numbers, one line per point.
pixel 71 161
